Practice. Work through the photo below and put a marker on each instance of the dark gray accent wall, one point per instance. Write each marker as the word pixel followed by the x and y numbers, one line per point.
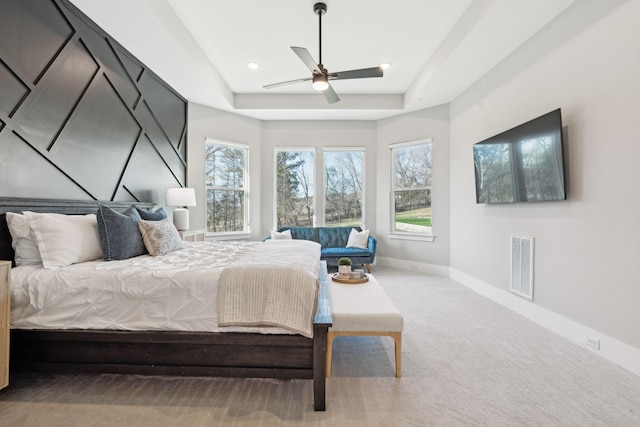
pixel 80 117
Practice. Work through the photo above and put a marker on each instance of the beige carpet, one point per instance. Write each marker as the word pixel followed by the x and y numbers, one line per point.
pixel 466 361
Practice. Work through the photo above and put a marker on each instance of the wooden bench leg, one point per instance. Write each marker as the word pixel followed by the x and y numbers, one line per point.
pixel 397 338
pixel 369 268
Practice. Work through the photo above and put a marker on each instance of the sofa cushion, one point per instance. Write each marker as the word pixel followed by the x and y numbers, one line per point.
pixel 344 252
pixel 304 233
pixel 334 237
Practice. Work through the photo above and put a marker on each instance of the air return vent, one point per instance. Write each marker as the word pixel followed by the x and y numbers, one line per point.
pixel 522 266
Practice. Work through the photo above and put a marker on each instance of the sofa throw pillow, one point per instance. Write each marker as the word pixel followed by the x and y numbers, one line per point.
pixel 120 237
pixel 22 242
pixel 157 215
pixel 65 239
pixel 358 239
pixel 160 237
pixel 281 235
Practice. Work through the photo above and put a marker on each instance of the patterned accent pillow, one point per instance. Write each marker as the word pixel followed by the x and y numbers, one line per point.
pixel 157 215
pixel 160 237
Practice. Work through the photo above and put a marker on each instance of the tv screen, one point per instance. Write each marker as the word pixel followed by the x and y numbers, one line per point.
pixel 523 164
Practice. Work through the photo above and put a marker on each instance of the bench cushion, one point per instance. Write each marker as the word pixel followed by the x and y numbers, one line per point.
pixel 363 307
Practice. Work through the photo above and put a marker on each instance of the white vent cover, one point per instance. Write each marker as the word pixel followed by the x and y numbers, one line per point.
pixel 522 266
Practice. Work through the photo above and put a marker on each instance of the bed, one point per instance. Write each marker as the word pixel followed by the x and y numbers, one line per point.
pixel 226 353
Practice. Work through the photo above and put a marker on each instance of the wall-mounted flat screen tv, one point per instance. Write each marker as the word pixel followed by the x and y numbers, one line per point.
pixel 523 164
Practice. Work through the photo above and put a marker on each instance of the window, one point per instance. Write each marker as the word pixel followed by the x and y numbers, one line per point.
pixel 411 187
pixel 294 188
pixel 343 187
pixel 226 183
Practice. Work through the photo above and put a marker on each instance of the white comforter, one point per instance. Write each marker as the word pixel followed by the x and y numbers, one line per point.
pixel 177 291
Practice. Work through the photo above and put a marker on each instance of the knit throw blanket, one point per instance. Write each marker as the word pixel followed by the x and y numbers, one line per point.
pixel 275 285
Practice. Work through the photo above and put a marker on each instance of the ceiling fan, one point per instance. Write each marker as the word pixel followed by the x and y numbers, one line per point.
pixel 320 76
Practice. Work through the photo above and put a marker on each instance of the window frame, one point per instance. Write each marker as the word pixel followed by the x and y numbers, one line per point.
pixel 363 179
pixel 312 150
pixel 245 190
pixel 398 234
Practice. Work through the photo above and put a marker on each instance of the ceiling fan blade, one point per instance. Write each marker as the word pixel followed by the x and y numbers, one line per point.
pixel 289 82
pixel 357 74
pixel 331 95
pixel 306 57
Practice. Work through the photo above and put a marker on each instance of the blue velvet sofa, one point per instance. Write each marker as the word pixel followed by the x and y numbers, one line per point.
pixel 333 241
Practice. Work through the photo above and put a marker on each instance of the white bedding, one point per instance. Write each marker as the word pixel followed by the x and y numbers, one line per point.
pixel 177 292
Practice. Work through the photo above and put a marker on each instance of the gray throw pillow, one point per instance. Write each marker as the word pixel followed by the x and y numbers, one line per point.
pixel 157 215
pixel 119 233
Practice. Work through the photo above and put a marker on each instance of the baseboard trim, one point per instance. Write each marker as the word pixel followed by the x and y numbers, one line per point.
pixel 615 351
pixel 436 270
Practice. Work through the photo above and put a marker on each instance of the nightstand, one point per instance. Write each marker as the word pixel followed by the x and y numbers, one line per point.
pixel 193 235
pixel 5 298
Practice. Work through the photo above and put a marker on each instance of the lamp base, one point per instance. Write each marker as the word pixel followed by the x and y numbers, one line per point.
pixel 181 218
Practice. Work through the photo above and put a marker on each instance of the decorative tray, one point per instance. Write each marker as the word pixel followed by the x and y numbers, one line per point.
pixel 336 278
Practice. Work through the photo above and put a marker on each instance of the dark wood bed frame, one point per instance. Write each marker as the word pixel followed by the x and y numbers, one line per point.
pixel 166 352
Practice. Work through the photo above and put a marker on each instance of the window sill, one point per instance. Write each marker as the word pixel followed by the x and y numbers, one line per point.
pixel 228 236
pixel 418 237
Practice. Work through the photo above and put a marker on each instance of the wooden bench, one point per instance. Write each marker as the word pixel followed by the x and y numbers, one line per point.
pixel 364 310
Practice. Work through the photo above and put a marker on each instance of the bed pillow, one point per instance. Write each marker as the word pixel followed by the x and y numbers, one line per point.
pixel 22 242
pixel 157 215
pixel 160 237
pixel 65 239
pixel 358 239
pixel 120 237
pixel 281 235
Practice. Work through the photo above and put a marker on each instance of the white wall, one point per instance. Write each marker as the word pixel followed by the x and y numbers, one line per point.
pixel 429 123
pixel 207 122
pixel 587 249
pixel 318 134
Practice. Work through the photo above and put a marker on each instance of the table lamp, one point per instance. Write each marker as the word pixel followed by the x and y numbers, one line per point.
pixel 181 197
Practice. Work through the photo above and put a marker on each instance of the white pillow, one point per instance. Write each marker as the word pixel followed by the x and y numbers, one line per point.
pixel 160 237
pixel 65 239
pixel 358 239
pixel 281 235
pixel 22 241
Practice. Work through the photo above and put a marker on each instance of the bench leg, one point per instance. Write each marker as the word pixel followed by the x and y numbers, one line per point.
pixel 397 338
pixel 369 268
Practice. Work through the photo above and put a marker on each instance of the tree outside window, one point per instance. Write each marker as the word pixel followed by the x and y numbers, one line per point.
pixel 343 177
pixel 294 188
pixel 411 184
pixel 226 185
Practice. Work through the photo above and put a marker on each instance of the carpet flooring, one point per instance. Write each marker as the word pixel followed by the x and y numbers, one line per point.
pixel 466 362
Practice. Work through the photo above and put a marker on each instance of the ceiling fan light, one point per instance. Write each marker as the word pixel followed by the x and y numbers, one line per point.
pixel 320 83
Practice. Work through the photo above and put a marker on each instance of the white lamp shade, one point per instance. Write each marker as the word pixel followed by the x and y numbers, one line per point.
pixel 181 197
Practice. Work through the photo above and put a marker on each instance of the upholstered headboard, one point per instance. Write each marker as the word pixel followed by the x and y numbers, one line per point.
pixel 71 207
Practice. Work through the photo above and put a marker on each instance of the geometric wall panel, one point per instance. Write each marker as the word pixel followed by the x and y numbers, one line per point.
pixel 44 32
pixel 20 163
pixel 12 90
pixel 80 117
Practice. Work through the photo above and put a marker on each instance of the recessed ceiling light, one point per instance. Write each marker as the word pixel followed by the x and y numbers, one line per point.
pixel 252 65
pixel 385 65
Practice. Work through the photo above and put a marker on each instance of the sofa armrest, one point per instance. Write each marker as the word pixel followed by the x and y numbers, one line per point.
pixel 372 246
